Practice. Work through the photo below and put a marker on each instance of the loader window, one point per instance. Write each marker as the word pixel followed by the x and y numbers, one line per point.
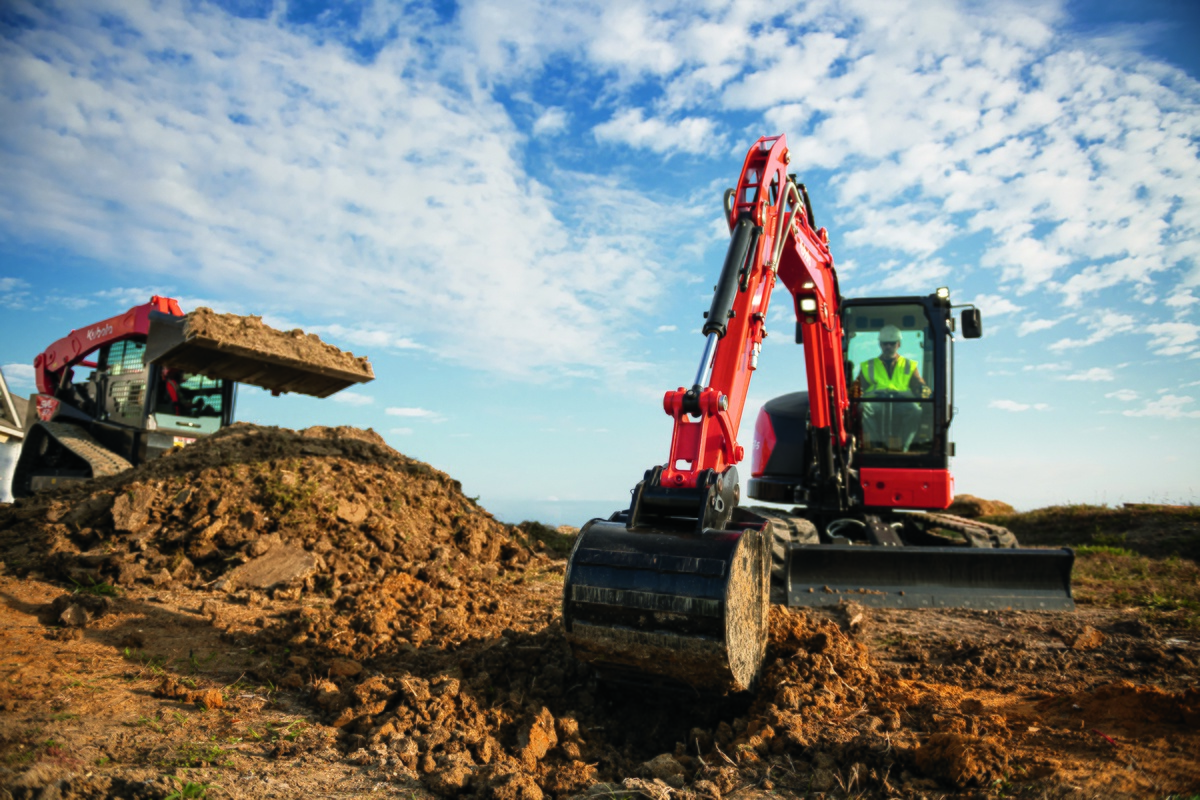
pixel 890 351
pixel 123 365
pixel 124 357
pixel 188 402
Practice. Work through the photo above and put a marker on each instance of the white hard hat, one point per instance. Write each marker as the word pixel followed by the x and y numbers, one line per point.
pixel 889 333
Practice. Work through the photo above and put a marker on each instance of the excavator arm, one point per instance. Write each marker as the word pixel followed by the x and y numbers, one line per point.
pixel 677 586
pixel 771 239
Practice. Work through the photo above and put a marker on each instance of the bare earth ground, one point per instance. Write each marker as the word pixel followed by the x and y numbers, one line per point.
pixel 410 646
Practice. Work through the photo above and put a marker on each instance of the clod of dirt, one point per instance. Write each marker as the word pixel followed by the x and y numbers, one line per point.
pixel 666 769
pixel 962 760
pixel 204 698
pixel 1087 639
pixel 76 610
pixel 282 565
pixel 536 739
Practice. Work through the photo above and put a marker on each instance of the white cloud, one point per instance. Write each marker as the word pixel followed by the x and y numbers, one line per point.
pixel 665 329
pixel 1095 374
pixel 353 398
pixel 1168 406
pixel 1013 405
pixel 364 337
pixel 1034 325
pixel 687 135
pixel 550 122
pixel 14 293
pixel 994 304
pixel 19 377
pixel 1174 338
pixel 916 276
pixel 1104 325
pixel 1124 395
pixel 1047 367
pixel 416 413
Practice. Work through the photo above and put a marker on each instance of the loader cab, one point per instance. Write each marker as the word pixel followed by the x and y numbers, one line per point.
pixel 141 410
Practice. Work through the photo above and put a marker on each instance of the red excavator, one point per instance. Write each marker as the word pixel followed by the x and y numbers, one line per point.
pixel 157 382
pixel 676 588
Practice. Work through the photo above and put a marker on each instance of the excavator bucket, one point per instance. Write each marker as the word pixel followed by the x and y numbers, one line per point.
pixel 930 577
pixel 685 608
pixel 243 349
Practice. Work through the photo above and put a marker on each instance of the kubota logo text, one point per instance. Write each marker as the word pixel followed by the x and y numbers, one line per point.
pixel 96 333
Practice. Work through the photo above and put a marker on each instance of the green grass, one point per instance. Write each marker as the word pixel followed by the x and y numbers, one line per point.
pixel 277 731
pixel 1102 549
pixel 186 788
pixel 1152 530
pixel 102 589
pixel 202 754
pixel 1167 590
pixel 283 498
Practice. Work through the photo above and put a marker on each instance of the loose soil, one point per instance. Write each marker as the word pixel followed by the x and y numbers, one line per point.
pixel 270 613
pixel 239 341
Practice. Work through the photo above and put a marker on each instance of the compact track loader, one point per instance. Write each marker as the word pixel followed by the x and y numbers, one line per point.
pixel 676 587
pixel 160 379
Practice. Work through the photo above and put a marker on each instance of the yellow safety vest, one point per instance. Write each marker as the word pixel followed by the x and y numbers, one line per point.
pixel 876 378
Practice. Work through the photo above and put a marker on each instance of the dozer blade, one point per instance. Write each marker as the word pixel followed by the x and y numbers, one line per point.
pixel 925 577
pixel 690 608
pixel 223 346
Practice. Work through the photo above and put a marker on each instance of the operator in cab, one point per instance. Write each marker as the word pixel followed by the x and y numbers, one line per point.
pixel 890 426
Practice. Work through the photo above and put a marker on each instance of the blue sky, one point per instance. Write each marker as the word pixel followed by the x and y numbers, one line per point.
pixel 514 209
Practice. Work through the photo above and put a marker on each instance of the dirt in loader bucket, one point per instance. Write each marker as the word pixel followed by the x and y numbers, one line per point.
pixel 243 349
pixel 273 613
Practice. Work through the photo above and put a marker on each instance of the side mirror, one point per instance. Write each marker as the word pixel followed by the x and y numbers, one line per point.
pixel 972 323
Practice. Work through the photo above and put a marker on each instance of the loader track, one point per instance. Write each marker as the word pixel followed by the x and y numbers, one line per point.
pixel 102 461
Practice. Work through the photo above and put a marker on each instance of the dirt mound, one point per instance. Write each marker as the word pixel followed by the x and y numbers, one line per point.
pixel 972 507
pixel 357 508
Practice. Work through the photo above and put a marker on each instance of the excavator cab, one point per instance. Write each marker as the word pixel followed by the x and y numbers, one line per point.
pixel 898 353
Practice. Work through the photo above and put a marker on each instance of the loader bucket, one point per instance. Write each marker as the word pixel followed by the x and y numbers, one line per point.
pixel 242 349
pixel 930 577
pixel 686 609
